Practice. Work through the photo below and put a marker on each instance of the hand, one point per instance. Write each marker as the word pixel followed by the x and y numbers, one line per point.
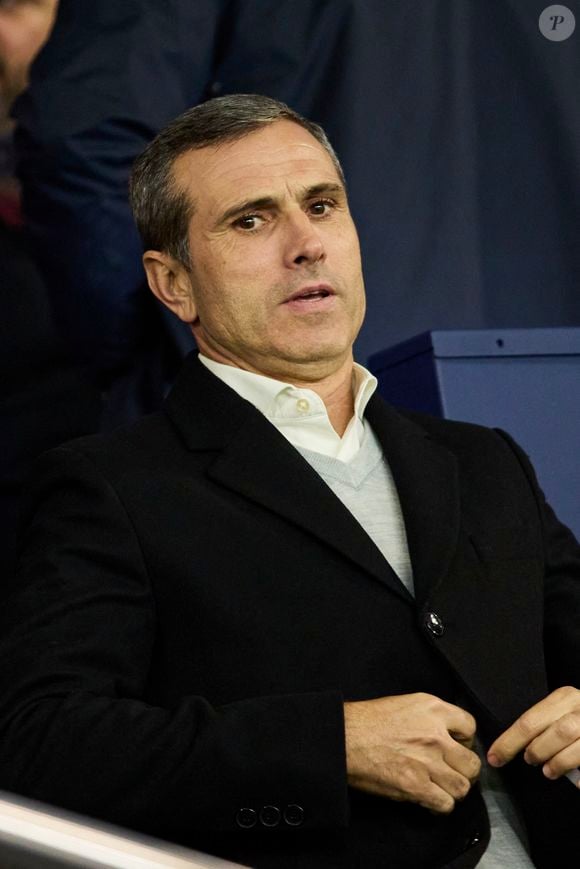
pixel 411 747
pixel 549 732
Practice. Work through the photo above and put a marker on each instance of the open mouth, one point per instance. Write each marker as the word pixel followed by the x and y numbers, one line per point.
pixel 311 294
pixel 314 294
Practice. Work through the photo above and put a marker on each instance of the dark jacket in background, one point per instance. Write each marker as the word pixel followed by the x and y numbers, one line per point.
pixel 110 77
pixel 44 398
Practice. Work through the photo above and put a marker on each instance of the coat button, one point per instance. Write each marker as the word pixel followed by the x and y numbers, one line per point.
pixel 270 816
pixel 475 840
pixel 246 818
pixel 434 624
pixel 294 815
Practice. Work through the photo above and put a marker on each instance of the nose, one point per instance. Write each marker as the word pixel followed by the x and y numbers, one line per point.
pixel 303 244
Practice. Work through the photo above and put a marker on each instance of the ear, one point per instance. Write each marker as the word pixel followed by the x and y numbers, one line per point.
pixel 169 280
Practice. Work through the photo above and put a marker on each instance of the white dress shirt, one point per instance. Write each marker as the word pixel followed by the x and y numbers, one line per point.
pixel 298 413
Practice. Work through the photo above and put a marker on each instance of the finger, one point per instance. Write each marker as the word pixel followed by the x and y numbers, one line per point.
pixel 437 800
pixel 452 782
pixel 510 743
pixel 467 742
pixel 559 736
pixel 529 725
pixel 410 781
pixel 422 790
pixel 459 723
pixel 564 762
pixel 463 760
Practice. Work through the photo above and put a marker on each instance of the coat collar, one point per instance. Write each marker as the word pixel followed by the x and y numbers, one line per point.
pixel 427 481
pixel 253 459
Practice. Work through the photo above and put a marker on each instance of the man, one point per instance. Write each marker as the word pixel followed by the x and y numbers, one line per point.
pixel 269 620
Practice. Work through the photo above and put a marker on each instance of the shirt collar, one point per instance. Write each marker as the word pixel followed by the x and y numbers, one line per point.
pixel 275 398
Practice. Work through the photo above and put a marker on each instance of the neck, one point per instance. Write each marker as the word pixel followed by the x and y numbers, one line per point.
pixel 333 385
pixel 337 394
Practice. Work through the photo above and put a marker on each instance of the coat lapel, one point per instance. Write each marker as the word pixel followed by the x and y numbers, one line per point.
pixel 253 459
pixel 427 482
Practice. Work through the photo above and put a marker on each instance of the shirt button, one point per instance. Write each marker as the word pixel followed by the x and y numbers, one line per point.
pixel 302 405
pixel 434 624
pixel 294 815
pixel 246 818
pixel 270 816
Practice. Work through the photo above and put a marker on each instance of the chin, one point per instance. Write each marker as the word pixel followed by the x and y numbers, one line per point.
pixel 321 354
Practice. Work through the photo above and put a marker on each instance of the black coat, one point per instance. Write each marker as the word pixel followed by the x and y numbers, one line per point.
pixel 197 604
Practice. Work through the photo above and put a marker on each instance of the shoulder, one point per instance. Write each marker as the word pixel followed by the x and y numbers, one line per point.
pixel 461 438
pixel 486 459
pixel 456 434
pixel 146 444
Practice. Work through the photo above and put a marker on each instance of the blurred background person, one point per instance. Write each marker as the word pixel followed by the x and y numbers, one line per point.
pixel 44 399
pixel 110 76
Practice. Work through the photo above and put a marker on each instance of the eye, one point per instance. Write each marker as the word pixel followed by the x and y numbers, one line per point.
pixel 249 222
pixel 321 207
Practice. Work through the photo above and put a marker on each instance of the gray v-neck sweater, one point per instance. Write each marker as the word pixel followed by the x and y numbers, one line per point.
pixel 366 487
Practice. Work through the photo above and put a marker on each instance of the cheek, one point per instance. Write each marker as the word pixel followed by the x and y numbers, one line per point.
pixel 249 251
pixel 351 248
pixel 238 262
pixel 246 279
pixel 227 307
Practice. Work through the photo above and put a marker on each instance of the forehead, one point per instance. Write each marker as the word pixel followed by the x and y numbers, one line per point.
pixel 266 162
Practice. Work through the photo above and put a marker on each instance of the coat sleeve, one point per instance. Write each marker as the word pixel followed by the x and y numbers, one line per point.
pixel 561 587
pixel 78 642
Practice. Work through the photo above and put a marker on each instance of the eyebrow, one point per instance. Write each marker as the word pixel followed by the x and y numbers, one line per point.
pixel 247 205
pixel 271 201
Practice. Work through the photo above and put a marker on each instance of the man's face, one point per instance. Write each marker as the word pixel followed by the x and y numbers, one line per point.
pixel 276 281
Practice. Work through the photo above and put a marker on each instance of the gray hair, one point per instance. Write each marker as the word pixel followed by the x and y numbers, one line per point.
pixel 161 211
